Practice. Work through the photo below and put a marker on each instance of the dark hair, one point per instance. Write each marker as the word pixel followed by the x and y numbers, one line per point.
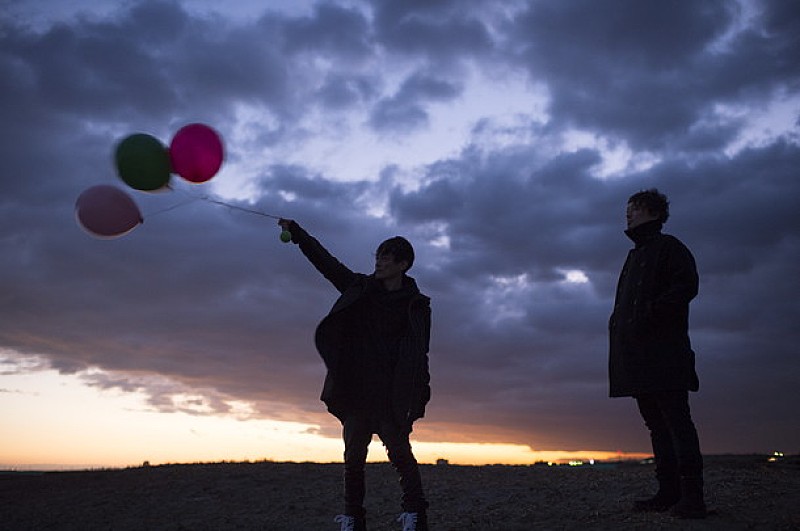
pixel 399 248
pixel 654 201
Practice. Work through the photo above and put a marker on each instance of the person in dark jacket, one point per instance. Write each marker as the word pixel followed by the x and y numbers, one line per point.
pixel 650 355
pixel 374 342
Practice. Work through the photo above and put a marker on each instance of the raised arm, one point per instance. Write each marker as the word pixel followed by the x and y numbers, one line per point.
pixel 331 268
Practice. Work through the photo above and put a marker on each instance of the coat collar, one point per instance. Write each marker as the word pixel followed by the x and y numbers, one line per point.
pixel 644 232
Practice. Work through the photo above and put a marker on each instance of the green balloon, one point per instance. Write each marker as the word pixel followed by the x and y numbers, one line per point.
pixel 143 162
pixel 286 236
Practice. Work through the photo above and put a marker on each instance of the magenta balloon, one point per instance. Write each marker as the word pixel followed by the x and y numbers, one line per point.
pixel 106 211
pixel 196 153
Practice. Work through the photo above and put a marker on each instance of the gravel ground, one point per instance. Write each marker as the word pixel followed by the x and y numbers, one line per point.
pixel 743 492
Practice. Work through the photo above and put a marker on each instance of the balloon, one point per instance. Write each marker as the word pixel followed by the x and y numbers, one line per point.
pixel 143 162
pixel 196 153
pixel 106 211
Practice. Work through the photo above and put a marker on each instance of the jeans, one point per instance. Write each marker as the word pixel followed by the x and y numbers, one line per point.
pixel 676 447
pixel 357 434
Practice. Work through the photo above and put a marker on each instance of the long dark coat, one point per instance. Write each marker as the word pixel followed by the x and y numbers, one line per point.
pixel 650 350
pixel 411 377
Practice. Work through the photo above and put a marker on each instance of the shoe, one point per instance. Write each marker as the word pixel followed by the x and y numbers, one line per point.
pixel 691 504
pixel 658 503
pixel 414 521
pixel 351 523
pixel 669 492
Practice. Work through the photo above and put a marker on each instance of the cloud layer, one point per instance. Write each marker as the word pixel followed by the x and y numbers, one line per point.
pixel 503 140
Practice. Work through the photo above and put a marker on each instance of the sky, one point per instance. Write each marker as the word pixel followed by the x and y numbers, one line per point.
pixel 502 138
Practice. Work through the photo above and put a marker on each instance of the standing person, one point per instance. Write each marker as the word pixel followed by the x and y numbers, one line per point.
pixel 650 356
pixel 374 343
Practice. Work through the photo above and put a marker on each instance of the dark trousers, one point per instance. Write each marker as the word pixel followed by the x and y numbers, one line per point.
pixel 357 434
pixel 676 447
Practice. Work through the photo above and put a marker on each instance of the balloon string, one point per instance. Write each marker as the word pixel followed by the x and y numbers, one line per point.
pixel 173 207
pixel 209 199
pixel 236 207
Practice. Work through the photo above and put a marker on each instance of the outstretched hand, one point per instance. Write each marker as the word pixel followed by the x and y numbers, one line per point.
pixel 286 232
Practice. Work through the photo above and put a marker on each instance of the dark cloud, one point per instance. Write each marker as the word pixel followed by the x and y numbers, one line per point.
pixel 405 110
pixel 205 300
pixel 341 92
pixel 331 31
pixel 647 73
pixel 439 31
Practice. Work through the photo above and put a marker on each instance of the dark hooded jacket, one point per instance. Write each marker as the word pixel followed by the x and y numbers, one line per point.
pixel 342 337
pixel 650 349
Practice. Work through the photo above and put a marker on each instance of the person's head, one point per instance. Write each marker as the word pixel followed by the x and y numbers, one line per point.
pixel 647 205
pixel 394 257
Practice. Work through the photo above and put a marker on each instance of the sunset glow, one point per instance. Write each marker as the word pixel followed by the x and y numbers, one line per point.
pixel 57 422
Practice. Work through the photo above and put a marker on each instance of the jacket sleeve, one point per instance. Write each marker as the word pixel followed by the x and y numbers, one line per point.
pixel 680 277
pixel 332 269
pixel 423 394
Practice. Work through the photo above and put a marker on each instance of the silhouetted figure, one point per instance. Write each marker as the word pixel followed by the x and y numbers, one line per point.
pixel 651 357
pixel 374 343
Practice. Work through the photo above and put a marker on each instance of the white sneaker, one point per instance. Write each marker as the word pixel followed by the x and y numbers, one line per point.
pixel 409 521
pixel 348 522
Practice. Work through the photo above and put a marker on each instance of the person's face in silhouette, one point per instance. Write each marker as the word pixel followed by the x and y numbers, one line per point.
pixel 638 214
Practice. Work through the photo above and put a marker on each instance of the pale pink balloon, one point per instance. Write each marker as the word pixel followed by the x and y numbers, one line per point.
pixel 106 211
pixel 196 153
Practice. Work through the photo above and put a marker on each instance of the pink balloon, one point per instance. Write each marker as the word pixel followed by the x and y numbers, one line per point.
pixel 196 153
pixel 106 211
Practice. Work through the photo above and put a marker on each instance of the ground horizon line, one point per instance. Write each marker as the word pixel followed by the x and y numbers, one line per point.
pixel 23 468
